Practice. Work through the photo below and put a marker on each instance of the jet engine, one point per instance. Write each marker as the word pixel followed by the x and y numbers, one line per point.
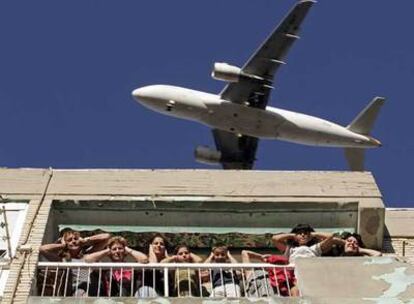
pixel 226 72
pixel 205 155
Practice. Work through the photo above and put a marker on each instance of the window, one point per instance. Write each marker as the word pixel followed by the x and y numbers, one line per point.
pixel 12 217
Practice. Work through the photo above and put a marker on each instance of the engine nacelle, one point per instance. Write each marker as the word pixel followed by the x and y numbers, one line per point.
pixel 226 72
pixel 205 155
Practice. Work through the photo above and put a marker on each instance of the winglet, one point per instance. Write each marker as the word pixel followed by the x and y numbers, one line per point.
pixel 364 122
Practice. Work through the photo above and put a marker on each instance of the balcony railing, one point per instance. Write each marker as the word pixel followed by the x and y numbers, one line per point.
pixel 163 280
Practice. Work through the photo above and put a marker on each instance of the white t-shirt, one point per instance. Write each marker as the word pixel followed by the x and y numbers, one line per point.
pixel 304 252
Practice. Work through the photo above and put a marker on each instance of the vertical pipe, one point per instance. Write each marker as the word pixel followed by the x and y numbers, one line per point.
pixel 403 248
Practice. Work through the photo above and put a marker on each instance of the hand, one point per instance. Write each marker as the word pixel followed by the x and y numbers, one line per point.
pixel 265 257
pixel 84 241
pixel 63 242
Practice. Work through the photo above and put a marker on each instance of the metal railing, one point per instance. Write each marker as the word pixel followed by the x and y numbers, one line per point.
pixel 163 280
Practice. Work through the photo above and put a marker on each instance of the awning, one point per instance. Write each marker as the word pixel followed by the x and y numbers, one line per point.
pixel 192 229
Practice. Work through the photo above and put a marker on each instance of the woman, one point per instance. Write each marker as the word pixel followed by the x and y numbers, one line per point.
pixel 152 284
pixel 303 242
pixel 354 246
pixel 118 282
pixel 186 282
pixel 71 247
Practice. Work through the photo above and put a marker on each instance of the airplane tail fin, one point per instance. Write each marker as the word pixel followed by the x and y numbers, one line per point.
pixel 355 158
pixel 364 122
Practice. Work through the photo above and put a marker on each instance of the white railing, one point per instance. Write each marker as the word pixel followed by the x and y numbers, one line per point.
pixel 163 280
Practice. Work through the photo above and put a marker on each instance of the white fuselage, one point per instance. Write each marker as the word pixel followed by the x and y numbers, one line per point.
pixel 270 123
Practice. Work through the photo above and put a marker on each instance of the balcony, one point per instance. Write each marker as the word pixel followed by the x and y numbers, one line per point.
pixel 184 280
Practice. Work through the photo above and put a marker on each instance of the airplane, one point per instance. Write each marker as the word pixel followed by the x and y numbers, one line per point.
pixel 239 116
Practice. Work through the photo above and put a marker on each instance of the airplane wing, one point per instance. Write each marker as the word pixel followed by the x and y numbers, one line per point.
pixel 239 151
pixel 236 152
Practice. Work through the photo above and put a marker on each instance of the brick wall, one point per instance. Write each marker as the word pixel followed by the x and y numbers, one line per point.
pixel 23 266
pixel 403 247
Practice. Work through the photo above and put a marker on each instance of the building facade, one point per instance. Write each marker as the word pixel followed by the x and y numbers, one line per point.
pixel 243 206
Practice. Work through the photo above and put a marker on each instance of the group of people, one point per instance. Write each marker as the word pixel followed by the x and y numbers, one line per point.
pixel 302 241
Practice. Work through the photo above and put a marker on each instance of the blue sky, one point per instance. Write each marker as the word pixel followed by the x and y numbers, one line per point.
pixel 67 69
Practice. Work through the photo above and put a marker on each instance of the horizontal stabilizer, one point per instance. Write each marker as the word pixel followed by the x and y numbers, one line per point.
pixel 364 122
pixel 355 158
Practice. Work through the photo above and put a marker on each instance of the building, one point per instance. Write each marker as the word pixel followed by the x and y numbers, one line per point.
pixel 39 203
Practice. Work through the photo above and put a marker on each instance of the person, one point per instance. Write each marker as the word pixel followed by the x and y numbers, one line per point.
pixel 225 283
pixel 257 280
pixel 354 246
pixel 186 281
pixel 119 281
pixel 152 284
pixel 302 242
pixel 71 247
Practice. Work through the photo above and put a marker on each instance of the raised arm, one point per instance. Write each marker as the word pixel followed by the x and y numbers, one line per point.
pixel 231 258
pixel 369 252
pixel 247 255
pixel 320 236
pixel 195 258
pixel 96 256
pixel 210 258
pixel 170 259
pixel 152 257
pixel 97 241
pixel 327 240
pixel 137 255
pixel 279 240
pixel 51 251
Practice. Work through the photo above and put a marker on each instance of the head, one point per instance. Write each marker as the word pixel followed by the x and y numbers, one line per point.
pixel 183 254
pixel 116 247
pixel 72 240
pixel 353 242
pixel 158 245
pixel 220 254
pixel 303 234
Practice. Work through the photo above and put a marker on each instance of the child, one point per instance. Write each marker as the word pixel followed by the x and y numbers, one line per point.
pixel 225 283
pixel 186 282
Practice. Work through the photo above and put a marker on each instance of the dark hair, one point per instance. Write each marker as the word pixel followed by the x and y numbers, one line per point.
pixel 157 235
pixel 357 236
pixel 167 245
pixel 177 248
pixel 302 228
pixel 220 246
